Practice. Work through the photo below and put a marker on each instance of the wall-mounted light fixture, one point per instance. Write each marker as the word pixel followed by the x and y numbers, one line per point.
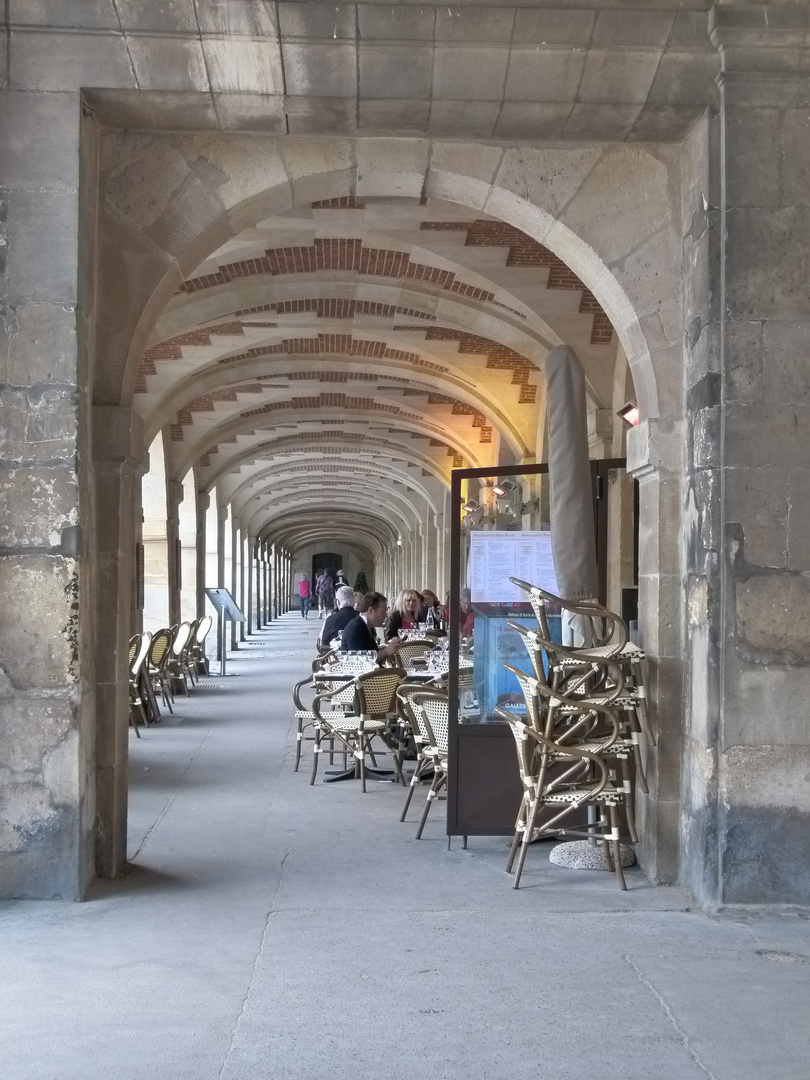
pixel 399 542
pixel 470 506
pixel 628 414
pixel 505 487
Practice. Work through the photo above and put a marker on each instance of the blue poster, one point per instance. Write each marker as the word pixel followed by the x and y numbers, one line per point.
pixel 496 644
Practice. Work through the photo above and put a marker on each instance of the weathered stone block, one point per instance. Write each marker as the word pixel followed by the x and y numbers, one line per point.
pixel 773 616
pixel 478 118
pixel 38 620
pixel 752 716
pixel 766 435
pixel 29 730
pixel 766 273
pixel 41 345
pixel 314 115
pixel 263 113
pixel 395 71
pixel 42 258
pixel 238 17
pixel 190 212
pixel 544 74
pixel 469 72
pixel 403 161
pixel 322 70
pixel 744 360
pixel 51 61
pixel 685 78
pixel 786 361
pixel 758 500
pixel 38 425
pixel 616 77
pixel 393 22
pixel 98 14
pixel 526 120
pixel 753 157
pixel 766 856
pixel 547 27
pixel 35 505
pixel 239 66
pixel 378 117
pixel 632 28
pixel 547 177
pixel 168 63
pixel 40 134
pixel 622 203
pixel 332 22
pixel 795 150
pixel 490 24
pixel 798 522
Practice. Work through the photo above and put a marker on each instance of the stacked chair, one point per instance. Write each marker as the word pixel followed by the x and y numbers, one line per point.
pixel 579 744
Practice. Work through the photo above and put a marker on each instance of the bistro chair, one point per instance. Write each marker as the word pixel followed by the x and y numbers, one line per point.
pixel 175 665
pixel 197 657
pixel 432 715
pixel 412 650
pixel 159 654
pixel 304 717
pixel 586 776
pixel 371 697
pixel 138 649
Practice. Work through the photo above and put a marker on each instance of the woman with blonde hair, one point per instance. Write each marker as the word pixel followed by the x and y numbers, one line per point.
pixel 405 615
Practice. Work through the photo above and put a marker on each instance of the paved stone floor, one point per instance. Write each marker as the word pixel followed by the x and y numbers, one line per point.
pixel 270 929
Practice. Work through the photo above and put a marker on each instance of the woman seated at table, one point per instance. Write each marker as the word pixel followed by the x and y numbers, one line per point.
pixel 405 615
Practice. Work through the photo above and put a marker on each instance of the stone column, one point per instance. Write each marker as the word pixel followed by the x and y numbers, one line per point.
pixel 117 442
pixel 203 502
pixel 222 521
pixel 174 496
pixel 762 852
pixel 252 606
pixel 244 553
pixel 234 582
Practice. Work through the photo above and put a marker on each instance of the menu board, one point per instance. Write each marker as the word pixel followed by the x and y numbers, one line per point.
pixel 497 556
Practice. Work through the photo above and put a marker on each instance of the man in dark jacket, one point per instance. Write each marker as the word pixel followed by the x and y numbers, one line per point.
pixel 359 635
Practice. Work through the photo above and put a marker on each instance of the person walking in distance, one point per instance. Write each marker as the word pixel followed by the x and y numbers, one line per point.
pixel 303 595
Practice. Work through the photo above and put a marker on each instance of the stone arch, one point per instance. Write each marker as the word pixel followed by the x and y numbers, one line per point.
pixel 243 181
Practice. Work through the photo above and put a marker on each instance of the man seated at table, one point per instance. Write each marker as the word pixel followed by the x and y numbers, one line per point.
pixel 338 619
pixel 359 634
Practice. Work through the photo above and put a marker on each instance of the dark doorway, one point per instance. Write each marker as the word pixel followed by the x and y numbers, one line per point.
pixel 326 560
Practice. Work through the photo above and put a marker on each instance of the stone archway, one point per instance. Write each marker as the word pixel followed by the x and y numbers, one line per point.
pixel 191 193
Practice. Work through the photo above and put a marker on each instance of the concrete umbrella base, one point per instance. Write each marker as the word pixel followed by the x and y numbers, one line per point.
pixel 581 855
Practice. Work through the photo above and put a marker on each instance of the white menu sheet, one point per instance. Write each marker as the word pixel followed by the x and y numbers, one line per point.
pixel 497 556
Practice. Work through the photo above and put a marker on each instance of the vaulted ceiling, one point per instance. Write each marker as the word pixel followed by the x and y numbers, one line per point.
pixel 348 355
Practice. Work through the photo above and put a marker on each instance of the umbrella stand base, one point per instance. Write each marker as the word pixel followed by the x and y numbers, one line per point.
pixel 581 855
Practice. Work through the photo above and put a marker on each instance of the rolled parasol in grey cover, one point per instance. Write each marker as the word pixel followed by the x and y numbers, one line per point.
pixel 573 540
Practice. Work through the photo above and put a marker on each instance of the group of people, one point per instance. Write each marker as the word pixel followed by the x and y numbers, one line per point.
pixel 358 616
pixel 354 617
pixel 326 585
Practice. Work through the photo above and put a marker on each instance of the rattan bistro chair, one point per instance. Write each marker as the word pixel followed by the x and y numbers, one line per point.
pixel 138 649
pixel 159 653
pixel 412 650
pixel 373 698
pixel 174 665
pixel 587 774
pixel 431 709
pixel 197 656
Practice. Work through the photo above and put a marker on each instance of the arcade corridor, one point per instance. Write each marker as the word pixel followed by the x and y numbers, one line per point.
pixel 267 928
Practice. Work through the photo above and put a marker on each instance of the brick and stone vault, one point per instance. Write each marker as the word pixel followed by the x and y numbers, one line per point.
pixel 410 325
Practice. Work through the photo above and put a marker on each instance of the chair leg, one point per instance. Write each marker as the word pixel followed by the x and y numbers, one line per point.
pixel 316 753
pixel 360 754
pixel 432 795
pixel 299 738
pixel 616 848
pixel 527 836
pixel 417 776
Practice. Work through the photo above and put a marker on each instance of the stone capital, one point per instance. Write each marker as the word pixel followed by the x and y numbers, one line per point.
pixel 118 437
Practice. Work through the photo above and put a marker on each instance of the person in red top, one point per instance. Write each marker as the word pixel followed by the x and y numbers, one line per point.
pixel 303 594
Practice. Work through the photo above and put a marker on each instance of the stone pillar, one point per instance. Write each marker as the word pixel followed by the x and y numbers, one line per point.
pixel 234 582
pixel 174 496
pixel 222 521
pixel 762 852
pixel 252 606
pixel 203 502
pixel 117 442
pixel 244 554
